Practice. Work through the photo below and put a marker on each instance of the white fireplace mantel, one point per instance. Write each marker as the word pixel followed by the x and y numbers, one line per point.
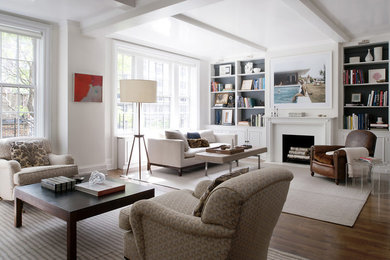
pixel 319 127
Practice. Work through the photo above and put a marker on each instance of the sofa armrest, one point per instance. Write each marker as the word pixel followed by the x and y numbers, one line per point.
pixel 201 188
pixel 150 219
pixel 168 152
pixel 7 170
pixel 230 139
pixel 62 159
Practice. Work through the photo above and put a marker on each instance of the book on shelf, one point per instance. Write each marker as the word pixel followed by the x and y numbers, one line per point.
pixel 257 120
pixel 353 76
pixel 376 125
pixel 100 189
pixel 370 159
pixel 244 123
pixel 377 98
pixel 353 105
pixel 215 86
pixel 357 121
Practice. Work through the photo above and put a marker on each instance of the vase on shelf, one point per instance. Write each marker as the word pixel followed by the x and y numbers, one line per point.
pixel 378 53
pixel 369 56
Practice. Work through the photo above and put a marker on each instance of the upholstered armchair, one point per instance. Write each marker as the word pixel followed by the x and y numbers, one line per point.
pixel 334 166
pixel 236 222
pixel 23 171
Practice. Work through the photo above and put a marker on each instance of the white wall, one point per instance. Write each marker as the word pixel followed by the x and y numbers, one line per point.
pixel 80 128
pixel 204 83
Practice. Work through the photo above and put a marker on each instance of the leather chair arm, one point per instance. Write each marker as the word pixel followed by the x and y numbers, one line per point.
pixel 340 160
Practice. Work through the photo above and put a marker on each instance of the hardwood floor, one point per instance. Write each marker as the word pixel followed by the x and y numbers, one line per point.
pixel 313 239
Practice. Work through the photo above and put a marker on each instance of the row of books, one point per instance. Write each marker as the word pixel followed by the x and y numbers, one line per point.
pixel 215 86
pixel 58 184
pixel 246 102
pixel 377 98
pixel 259 83
pixel 257 120
pixel 362 122
pixel 354 76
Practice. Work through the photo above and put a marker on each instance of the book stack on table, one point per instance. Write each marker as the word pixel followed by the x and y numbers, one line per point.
pixel 58 184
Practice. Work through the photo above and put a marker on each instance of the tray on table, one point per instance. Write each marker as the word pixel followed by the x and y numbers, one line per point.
pixel 225 151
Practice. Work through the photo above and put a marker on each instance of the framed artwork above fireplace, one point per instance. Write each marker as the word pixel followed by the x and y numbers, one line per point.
pixel 302 81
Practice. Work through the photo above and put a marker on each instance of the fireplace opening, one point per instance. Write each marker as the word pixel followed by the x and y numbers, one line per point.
pixel 296 148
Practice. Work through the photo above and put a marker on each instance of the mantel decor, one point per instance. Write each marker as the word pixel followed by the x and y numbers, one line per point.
pixel 302 81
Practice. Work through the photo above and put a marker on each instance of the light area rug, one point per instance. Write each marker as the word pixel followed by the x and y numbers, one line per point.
pixel 43 236
pixel 315 197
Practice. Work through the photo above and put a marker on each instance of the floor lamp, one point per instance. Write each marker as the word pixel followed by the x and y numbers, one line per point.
pixel 138 91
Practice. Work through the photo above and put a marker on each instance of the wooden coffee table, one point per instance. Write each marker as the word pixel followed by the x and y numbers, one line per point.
pixel 73 206
pixel 229 158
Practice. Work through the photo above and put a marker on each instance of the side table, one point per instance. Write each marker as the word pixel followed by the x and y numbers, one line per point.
pixel 358 169
pixel 378 173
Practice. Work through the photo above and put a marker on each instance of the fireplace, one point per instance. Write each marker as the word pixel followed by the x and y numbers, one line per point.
pixel 296 148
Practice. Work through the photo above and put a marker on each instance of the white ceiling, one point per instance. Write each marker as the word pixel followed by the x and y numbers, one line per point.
pixel 273 24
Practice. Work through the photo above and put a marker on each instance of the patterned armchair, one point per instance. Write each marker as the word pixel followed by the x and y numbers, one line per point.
pixel 237 220
pixel 27 160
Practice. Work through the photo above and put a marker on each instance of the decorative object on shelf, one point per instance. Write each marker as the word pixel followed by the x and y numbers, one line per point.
pixel 225 69
pixel 368 56
pixel 302 81
pixel 228 86
pixel 354 59
pixel 256 70
pixel 296 114
pixel 247 84
pixel 227 117
pixel 379 120
pixel 364 42
pixel 356 97
pixel 88 88
pixel 378 53
pixel 248 67
pixel 97 177
pixel 376 75
pixel 230 101
pixel 138 91
pixel 221 98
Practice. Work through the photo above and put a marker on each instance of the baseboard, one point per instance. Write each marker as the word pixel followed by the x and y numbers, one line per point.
pixel 90 168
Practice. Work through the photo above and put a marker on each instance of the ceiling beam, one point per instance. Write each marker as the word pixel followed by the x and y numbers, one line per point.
pixel 127 2
pixel 213 29
pixel 140 15
pixel 308 10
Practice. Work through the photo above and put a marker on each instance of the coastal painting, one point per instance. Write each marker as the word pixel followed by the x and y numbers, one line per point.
pixel 301 81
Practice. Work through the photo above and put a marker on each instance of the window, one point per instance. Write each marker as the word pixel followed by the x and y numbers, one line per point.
pixel 177 89
pixel 22 78
pixel 17 84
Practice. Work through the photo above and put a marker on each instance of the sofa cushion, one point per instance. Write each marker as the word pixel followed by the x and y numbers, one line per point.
pixel 200 142
pixel 32 175
pixel 193 135
pixel 176 134
pixel 199 208
pixel 323 158
pixel 29 154
pixel 208 135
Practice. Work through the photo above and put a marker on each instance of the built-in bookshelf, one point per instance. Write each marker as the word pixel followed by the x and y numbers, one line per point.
pixel 366 86
pixel 237 93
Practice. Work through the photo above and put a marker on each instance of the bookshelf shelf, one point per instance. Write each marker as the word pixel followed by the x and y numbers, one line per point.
pixel 247 104
pixel 373 96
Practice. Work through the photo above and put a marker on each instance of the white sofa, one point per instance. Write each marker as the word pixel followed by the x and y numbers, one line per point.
pixel 12 174
pixel 171 152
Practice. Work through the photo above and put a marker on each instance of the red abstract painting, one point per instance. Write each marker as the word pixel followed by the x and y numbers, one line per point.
pixel 88 88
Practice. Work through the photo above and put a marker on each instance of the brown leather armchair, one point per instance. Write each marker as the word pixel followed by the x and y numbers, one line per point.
pixel 333 166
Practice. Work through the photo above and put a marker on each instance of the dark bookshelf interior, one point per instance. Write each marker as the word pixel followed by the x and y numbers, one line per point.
pixel 366 111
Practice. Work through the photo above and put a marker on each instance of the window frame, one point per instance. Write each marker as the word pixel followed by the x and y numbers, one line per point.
pixel 137 52
pixel 42 66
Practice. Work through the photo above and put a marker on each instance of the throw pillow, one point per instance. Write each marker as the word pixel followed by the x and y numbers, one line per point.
pixel 176 134
pixel 196 143
pixel 208 135
pixel 29 154
pixel 202 201
pixel 193 135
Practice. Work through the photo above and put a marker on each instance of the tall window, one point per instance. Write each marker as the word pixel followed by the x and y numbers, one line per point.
pixel 18 84
pixel 177 90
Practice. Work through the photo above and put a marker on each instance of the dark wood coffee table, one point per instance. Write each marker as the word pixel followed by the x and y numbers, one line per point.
pixel 73 206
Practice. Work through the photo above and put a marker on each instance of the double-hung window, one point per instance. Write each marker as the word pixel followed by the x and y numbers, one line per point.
pixel 21 80
pixel 177 89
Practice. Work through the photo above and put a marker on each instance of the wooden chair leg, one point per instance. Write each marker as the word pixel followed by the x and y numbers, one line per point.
pixel 312 173
pixel 180 172
pixel 337 181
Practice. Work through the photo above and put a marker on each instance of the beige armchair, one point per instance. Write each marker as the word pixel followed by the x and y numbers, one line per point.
pixel 237 220
pixel 12 174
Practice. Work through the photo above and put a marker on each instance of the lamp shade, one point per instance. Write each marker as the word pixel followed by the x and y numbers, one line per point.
pixel 137 90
